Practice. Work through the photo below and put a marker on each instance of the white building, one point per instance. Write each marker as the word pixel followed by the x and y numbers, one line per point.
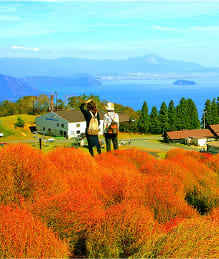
pixel 68 124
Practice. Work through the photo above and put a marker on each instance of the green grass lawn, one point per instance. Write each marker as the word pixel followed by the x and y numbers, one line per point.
pixel 7 126
pixel 19 134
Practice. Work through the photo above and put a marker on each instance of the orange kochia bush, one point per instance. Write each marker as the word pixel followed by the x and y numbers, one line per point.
pixel 201 178
pixel 23 235
pixel 193 238
pixel 123 231
pixel 25 172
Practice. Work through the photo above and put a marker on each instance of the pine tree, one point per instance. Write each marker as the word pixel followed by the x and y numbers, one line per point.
pixel 155 123
pixel 144 120
pixel 207 115
pixel 218 110
pixel 192 115
pixel 181 114
pixel 214 112
pixel 172 117
pixel 163 117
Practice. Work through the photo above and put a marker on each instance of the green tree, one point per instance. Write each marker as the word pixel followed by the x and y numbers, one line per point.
pixel 144 120
pixel 218 109
pixel 163 117
pixel 181 111
pixel 7 108
pixel 20 123
pixel 214 112
pixel 193 121
pixel 172 116
pixel 26 104
pixel 207 115
pixel 155 122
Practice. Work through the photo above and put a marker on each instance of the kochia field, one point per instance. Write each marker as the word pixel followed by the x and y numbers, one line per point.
pixel 125 203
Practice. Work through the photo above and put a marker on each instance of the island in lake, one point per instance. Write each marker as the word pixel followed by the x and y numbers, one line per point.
pixel 184 82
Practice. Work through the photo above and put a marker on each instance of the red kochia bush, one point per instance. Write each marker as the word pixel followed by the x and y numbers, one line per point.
pixel 203 191
pixel 24 236
pixel 79 169
pixel 25 171
pixel 120 179
pixel 124 230
pixel 80 206
pixel 70 214
pixel 134 156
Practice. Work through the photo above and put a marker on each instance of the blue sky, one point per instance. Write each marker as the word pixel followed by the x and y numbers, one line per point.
pixel 179 30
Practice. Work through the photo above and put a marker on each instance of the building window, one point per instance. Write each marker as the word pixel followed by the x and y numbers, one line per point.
pixel 44 128
pixel 57 124
pixel 62 125
pixel 78 125
pixel 78 132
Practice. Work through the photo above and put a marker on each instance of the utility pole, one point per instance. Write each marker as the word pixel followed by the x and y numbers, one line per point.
pixel 56 100
pixel 204 117
pixel 52 102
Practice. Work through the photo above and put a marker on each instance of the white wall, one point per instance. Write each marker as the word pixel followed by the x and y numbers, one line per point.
pixel 57 124
pixel 50 122
pixel 199 142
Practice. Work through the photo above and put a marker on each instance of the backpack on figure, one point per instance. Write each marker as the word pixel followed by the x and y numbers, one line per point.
pixel 113 127
pixel 93 128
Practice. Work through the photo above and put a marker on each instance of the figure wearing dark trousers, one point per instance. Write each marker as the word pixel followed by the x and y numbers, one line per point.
pixel 111 138
pixel 92 140
pixel 108 117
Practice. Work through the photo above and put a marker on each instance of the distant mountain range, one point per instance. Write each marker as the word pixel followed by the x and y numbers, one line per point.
pixel 12 88
pixel 62 67
pixel 48 81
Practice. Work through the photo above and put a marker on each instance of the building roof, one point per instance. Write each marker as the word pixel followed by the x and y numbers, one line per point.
pixel 196 133
pixel 77 116
pixel 214 144
pixel 123 117
pixel 215 128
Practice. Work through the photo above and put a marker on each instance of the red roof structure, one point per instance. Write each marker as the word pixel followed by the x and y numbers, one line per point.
pixel 196 133
pixel 215 129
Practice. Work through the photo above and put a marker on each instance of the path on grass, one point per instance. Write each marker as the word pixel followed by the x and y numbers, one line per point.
pixel 150 143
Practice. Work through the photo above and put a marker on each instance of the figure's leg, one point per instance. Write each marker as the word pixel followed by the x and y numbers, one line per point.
pixel 108 144
pixel 91 150
pixel 115 142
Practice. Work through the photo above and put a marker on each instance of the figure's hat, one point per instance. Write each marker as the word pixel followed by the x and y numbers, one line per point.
pixel 109 106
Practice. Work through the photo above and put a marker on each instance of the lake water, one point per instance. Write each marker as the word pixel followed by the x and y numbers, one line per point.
pixel 133 93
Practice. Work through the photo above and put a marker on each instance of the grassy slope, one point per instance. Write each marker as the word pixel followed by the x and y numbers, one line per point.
pixel 11 132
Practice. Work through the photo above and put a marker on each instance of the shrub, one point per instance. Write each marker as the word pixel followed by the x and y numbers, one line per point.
pixel 20 123
pixel 202 191
pixel 164 190
pixel 120 179
pixel 69 215
pixel 135 156
pixel 124 230
pixel 26 172
pixel 193 238
pixel 24 236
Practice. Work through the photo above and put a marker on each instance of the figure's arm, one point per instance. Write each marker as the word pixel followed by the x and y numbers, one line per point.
pixel 116 118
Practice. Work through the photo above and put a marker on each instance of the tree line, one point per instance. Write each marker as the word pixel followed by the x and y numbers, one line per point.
pixel 167 118
pixel 180 117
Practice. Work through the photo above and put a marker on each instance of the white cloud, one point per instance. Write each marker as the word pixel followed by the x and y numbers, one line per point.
pixel 162 28
pixel 206 29
pixel 24 48
pixel 9 18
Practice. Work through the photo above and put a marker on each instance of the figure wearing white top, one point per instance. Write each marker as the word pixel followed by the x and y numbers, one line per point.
pixel 110 129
